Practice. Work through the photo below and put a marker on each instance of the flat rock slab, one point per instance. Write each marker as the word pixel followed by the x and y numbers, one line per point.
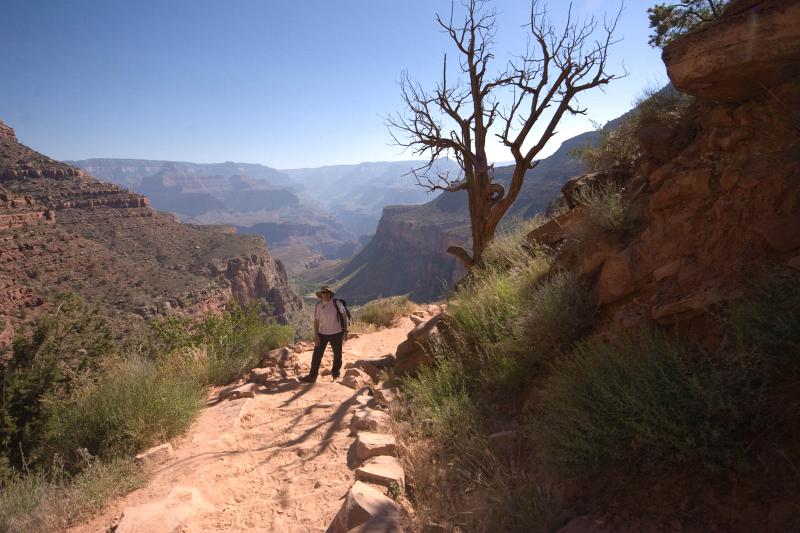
pixel 355 378
pixel 361 505
pixel 368 444
pixel 383 470
pixel 385 397
pixel 163 515
pixel 366 419
pixel 379 524
pixel 234 392
pixel 262 375
pixel 155 456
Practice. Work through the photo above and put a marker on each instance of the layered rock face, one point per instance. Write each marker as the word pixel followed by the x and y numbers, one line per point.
pixel 407 255
pixel 63 231
pixel 727 207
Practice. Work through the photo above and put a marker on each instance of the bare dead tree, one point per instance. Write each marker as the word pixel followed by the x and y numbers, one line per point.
pixel 456 118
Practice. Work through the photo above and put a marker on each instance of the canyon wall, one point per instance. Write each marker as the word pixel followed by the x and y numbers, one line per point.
pixel 724 210
pixel 64 231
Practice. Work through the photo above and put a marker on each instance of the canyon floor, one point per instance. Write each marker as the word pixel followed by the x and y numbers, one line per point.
pixel 275 462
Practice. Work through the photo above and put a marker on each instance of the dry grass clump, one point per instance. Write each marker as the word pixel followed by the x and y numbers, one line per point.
pixel 656 110
pixel 607 209
pixel 383 312
pixel 41 502
pixel 640 398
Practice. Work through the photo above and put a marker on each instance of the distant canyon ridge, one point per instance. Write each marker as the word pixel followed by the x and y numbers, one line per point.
pixel 309 216
pixel 369 229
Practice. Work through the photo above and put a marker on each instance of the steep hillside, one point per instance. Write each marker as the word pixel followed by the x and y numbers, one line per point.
pixel 64 231
pixel 408 253
pixel 707 209
pixel 256 199
pixel 639 372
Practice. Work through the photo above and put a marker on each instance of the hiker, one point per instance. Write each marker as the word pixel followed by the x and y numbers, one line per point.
pixel 330 326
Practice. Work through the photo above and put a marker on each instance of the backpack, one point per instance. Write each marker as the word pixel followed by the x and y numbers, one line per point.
pixel 343 313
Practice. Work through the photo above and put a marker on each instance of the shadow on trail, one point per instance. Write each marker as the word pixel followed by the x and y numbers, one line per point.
pixel 335 423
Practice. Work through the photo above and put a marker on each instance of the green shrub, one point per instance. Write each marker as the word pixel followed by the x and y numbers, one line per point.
pixel 620 145
pixel 672 20
pixel 384 311
pixel 616 148
pixel 136 404
pixel 493 298
pixel 235 341
pixel 439 401
pixel 66 348
pixel 38 502
pixel 560 312
pixel 509 248
pixel 607 210
pixel 639 398
pixel 766 321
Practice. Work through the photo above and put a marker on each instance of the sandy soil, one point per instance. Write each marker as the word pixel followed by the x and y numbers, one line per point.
pixel 276 462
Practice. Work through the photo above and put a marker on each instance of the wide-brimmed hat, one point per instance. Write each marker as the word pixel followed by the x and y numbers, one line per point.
pixel 324 288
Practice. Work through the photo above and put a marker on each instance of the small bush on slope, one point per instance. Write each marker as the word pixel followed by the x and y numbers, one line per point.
pixel 767 320
pixel 38 502
pixel 621 147
pixel 639 398
pixel 137 404
pixel 235 341
pixel 451 467
pixel 384 311
pixel 560 312
pixel 607 210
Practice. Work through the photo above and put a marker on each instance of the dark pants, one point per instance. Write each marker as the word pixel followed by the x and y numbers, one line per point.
pixel 336 345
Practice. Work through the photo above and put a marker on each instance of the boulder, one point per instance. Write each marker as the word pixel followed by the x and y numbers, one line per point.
pixel 379 524
pixel 363 504
pixel 262 375
pixel 155 456
pixel 574 186
pixel 382 470
pixel 417 320
pixel 385 397
pixel 556 230
pixel 369 444
pixel 616 278
pixel 598 251
pixel 355 378
pixel 416 349
pixel 782 234
pixel 366 419
pixel 690 307
pixel 751 48
pixel 281 358
pixel 365 365
pixel 236 391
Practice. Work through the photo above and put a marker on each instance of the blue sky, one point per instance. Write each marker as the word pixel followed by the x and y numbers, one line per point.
pixel 283 83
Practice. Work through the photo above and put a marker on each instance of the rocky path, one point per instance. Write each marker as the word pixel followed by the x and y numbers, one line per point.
pixel 275 462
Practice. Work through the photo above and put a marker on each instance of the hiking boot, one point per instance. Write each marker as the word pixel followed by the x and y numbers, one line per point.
pixel 308 379
pixel 334 377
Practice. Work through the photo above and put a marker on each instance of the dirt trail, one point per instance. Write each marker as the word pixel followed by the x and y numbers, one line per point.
pixel 276 462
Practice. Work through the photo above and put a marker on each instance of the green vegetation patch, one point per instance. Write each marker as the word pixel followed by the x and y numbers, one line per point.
pixel 641 397
pixel 383 312
pixel 51 501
